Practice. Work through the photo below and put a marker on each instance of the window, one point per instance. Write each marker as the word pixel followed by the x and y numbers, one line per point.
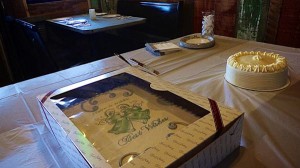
pixel 39 1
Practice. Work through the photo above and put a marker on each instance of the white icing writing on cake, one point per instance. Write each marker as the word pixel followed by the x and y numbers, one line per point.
pixel 146 128
pixel 278 64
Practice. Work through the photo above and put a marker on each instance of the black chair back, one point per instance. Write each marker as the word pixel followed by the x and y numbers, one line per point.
pixel 163 18
pixel 31 54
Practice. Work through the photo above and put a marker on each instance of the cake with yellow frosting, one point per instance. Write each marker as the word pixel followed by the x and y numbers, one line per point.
pixel 257 70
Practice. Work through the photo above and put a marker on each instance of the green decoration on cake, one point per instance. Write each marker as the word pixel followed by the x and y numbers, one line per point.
pixel 123 120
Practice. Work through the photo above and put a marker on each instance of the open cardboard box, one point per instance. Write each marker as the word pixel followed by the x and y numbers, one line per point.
pixel 128 118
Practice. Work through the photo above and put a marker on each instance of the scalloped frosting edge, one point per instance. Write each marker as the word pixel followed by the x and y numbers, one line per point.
pixel 279 65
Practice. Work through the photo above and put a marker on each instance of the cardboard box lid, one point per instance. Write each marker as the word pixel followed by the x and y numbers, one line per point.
pixel 164 153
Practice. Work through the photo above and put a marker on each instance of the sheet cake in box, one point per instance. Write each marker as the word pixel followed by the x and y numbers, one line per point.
pixel 128 118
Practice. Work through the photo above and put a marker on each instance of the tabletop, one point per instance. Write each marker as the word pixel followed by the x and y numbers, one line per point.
pixel 84 25
pixel 271 130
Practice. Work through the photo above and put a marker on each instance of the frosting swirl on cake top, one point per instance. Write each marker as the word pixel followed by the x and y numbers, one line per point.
pixel 257 61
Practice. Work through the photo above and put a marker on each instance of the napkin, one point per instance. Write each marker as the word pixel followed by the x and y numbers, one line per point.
pixel 78 21
pixel 162 48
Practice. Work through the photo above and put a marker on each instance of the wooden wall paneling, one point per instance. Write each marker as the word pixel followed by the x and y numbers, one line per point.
pixel 18 8
pixel 82 6
pixel 197 16
pixel 225 19
pixel 199 7
pixel 26 8
pixel 288 32
pixel 273 19
pixel 90 3
pixel 45 8
pixel 187 17
pixel 43 11
pixel 225 15
pixel 5 77
pixel 59 7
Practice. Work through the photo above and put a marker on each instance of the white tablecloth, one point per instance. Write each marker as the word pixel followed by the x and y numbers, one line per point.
pixel 271 131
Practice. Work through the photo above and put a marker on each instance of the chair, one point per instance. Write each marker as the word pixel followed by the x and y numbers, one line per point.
pixel 163 23
pixel 163 20
pixel 30 57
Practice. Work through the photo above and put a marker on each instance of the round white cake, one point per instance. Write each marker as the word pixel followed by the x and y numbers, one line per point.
pixel 259 71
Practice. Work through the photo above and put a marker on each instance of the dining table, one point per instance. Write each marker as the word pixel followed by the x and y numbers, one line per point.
pixel 103 22
pixel 92 35
pixel 271 127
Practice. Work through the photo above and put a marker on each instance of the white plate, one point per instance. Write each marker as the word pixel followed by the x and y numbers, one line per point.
pixel 100 14
pixel 197 41
pixel 77 21
pixel 62 19
pixel 111 15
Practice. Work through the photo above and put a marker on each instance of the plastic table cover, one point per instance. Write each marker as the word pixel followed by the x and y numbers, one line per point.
pixel 271 130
